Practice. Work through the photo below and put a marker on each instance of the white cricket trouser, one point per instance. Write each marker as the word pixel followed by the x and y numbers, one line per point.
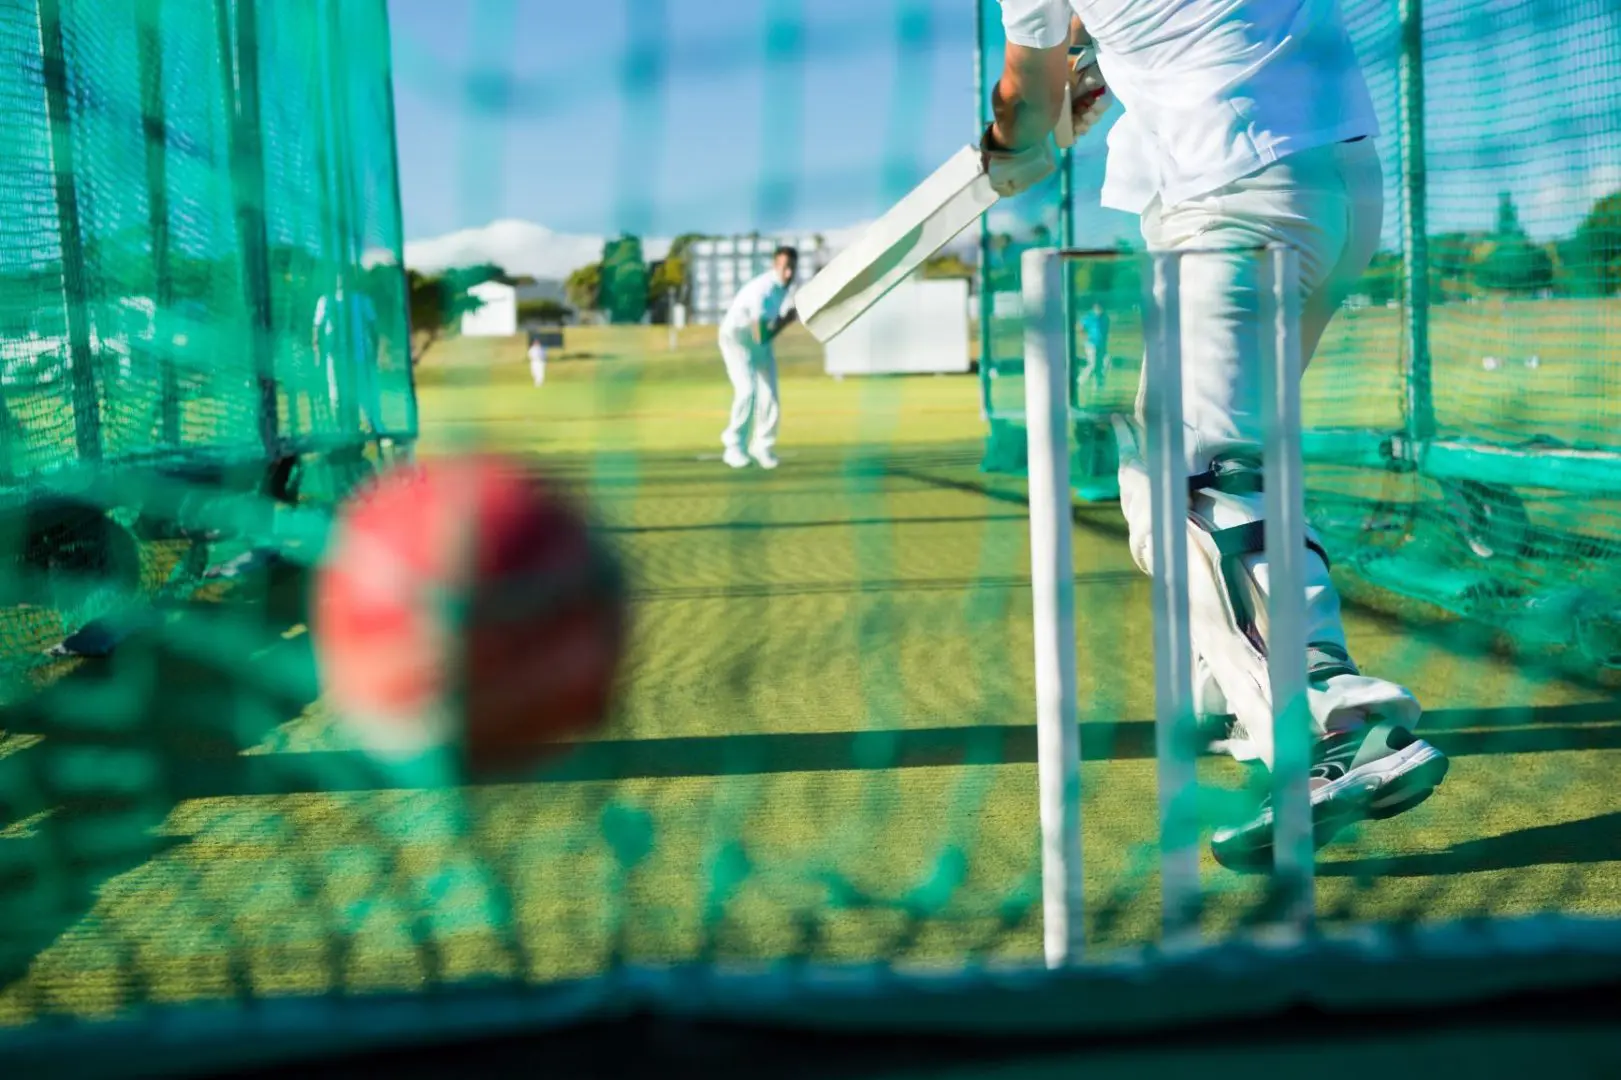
pixel 363 384
pixel 1095 360
pixel 753 372
pixel 1327 204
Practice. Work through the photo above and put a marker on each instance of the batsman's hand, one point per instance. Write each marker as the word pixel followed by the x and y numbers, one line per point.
pixel 1086 98
pixel 1013 171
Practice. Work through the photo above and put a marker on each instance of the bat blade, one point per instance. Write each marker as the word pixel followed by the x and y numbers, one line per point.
pixel 926 220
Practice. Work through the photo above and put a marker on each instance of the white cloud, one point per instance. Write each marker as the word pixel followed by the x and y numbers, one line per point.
pixel 1560 201
pixel 518 247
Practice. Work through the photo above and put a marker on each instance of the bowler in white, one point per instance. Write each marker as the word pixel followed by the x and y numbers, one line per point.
pixel 759 312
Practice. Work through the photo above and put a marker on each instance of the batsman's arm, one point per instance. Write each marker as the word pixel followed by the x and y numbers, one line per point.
pixel 1029 97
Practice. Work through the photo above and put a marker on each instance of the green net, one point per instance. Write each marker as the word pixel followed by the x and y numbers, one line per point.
pixel 1464 439
pixel 822 764
pixel 1498 504
pixel 201 283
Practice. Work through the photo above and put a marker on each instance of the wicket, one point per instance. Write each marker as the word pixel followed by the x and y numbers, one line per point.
pixel 1052 579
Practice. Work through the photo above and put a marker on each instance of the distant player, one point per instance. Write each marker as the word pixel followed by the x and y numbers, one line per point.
pixel 1246 122
pixel 1095 325
pixel 346 344
pixel 760 311
pixel 537 359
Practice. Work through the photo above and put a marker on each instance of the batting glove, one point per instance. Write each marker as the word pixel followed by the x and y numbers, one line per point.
pixel 1013 171
pixel 1086 98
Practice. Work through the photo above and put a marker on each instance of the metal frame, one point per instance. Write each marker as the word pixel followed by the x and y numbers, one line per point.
pixel 1420 403
pixel 155 128
pixel 412 427
pixel 87 435
pixel 1052 580
pixel 237 25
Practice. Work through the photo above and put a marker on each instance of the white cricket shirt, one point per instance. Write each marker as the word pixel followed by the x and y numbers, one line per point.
pixel 1213 90
pixel 762 299
pixel 336 315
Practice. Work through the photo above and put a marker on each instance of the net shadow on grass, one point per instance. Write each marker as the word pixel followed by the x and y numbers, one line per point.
pixel 1590 840
pixel 1459 732
pixel 122 740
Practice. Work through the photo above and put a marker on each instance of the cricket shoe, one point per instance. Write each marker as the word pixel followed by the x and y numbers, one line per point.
pixel 765 459
pixel 1377 771
pixel 737 459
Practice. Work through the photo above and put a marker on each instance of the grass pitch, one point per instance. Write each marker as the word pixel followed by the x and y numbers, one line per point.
pixel 823 748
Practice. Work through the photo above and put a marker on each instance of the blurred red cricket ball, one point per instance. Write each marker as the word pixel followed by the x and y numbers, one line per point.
pixel 464 604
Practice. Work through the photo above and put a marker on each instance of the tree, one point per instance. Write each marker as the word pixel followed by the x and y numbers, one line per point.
pixel 544 310
pixel 1452 262
pixel 1508 218
pixel 1515 264
pixel 1510 262
pixel 436 305
pixel 1002 271
pixel 466 277
pixel 1597 245
pixel 584 287
pixel 1382 282
pixel 947 264
pixel 666 285
pixel 669 280
pixel 623 293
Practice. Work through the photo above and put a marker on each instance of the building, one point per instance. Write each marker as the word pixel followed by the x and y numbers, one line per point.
pixel 497 313
pixel 719 266
pixel 543 289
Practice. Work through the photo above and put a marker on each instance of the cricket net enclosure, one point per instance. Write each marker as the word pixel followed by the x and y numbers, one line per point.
pixel 809 839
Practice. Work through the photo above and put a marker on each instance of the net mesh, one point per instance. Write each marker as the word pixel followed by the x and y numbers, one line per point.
pixel 823 749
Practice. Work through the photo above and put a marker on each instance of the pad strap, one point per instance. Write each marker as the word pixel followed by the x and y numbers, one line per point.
pixel 1324 660
pixel 1230 476
pixel 1250 539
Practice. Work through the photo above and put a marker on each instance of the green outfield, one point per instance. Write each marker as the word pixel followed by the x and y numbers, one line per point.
pixel 823 747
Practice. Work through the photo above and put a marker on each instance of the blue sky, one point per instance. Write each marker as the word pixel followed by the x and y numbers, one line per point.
pixel 664 116
pixel 600 115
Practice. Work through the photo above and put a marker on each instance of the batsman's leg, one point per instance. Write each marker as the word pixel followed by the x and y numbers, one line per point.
pixel 1366 761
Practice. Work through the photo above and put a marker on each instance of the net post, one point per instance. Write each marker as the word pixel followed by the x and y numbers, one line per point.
pixel 1052 581
pixel 239 59
pixel 397 222
pixel 154 126
pixel 1066 240
pixel 981 119
pixel 75 277
pixel 1174 719
pixel 1284 510
pixel 339 89
pixel 1420 403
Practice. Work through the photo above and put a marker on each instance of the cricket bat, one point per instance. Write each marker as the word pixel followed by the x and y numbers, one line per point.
pixel 926 220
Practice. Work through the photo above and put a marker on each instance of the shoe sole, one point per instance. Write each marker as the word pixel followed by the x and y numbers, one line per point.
pixel 1381 789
